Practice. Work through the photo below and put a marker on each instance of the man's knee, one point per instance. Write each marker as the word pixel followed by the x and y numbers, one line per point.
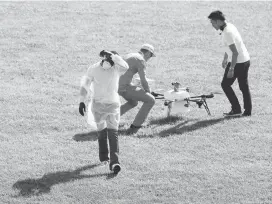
pixel 151 101
pixel 133 103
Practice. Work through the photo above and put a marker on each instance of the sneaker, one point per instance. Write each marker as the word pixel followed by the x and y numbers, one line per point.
pixel 133 129
pixel 116 168
pixel 246 114
pixel 233 113
pixel 133 126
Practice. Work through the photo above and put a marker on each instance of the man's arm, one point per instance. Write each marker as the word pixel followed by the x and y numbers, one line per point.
pixel 234 55
pixel 120 63
pixel 225 60
pixel 84 87
pixel 233 61
pixel 142 75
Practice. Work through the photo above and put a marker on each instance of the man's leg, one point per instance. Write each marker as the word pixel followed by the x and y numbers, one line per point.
pixel 103 145
pixel 148 100
pixel 243 85
pixel 130 102
pixel 226 86
pixel 114 146
pixel 112 124
pixel 102 135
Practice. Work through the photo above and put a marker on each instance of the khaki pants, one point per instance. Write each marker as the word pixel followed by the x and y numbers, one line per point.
pixel 134 94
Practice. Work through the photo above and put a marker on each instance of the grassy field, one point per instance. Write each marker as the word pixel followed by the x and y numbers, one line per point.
pixel 47 154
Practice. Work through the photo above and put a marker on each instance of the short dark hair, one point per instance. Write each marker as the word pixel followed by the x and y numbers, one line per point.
pixel 217 15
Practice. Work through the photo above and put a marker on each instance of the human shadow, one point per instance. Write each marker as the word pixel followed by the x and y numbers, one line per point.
pixel 35 187
pixel 88 136
pixel 93 136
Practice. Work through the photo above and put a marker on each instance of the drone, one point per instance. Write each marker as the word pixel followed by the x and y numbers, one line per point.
pixel 178 100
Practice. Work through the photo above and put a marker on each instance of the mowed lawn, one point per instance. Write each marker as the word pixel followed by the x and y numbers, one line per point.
pixel 47 153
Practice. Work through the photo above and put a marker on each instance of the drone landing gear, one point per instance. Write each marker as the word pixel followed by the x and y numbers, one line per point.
pixel 201 102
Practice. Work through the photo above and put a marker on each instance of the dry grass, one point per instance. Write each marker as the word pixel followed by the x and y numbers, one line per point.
pixel 47 154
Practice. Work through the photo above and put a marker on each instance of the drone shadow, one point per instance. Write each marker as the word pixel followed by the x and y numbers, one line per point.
pixel 36 187
pixel 166 120
pixel 183 128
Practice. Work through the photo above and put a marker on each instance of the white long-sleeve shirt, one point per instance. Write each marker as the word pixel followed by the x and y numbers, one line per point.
pixel 103 83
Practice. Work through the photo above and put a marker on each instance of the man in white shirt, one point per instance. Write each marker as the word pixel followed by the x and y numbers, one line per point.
pixel 101 81
pixel 236 63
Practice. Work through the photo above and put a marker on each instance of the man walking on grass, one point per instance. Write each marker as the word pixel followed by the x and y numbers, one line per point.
pixel 104 109
pixel 236 63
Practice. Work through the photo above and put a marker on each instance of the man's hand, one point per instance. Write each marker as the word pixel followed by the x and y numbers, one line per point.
pixel 105 54
pixel 224 63
pixel 82 108
pixel 230 72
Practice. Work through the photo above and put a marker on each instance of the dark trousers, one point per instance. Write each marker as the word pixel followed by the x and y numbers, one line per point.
pixel 104 136
pixel 241 73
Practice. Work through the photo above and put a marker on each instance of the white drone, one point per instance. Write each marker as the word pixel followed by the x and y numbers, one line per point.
pixel 178 100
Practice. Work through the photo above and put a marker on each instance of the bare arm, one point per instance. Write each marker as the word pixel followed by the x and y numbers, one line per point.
pixel 234 55
pixel 225 56
pixel 225 60
pixel 142 75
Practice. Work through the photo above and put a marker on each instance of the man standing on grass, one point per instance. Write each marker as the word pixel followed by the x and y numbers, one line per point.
pixel 104 108
pixel 236 63
pixel 133 94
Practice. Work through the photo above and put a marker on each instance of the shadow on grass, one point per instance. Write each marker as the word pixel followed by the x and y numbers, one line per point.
pixel 36 187
pixel 166 120
pixel 93 136
pixel 183 128
pixel 180 128
pixel 89 136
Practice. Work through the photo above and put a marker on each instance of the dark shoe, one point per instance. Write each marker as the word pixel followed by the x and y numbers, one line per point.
pixel 133 129
pixel 133 126
pixel 116 168
pixel 233 113
pixel 246 114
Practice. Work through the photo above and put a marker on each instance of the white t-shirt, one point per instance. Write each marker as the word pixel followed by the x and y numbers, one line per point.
pixel 231 36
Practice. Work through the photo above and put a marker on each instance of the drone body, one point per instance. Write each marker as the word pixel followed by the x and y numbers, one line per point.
pixel 178 100
pixel 175 101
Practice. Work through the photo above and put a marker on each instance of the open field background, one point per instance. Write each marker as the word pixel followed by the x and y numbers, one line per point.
pixel 46 153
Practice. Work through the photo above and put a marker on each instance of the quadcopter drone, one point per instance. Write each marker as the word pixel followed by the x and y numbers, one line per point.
pixel 178 99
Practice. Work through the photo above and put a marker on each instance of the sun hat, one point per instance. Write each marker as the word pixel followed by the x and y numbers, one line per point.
pixel 149 47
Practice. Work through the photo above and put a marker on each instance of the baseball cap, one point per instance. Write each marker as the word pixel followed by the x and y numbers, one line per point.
pixel 149 47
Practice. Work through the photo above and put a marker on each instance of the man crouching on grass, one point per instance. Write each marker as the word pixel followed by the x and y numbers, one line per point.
pixel 102 80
